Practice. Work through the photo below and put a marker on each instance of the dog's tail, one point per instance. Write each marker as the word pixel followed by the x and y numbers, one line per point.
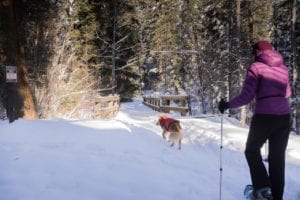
pixel 178 126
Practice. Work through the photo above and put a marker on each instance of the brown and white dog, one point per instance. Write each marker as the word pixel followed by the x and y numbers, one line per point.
pixel 171 126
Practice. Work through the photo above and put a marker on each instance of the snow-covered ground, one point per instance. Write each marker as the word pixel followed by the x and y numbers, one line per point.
pixel 127 159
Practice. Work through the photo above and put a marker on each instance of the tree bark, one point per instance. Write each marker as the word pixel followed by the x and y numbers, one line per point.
pixel 113 56
pixel 241 75
pixel 29 111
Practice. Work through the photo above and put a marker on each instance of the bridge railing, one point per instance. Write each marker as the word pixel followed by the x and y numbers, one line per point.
pixel 106 107
pixel 167 103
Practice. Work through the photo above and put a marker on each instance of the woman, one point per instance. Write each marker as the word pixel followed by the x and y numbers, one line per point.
pixel 267 81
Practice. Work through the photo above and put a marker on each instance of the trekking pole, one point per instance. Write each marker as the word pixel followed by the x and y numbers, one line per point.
pixel 266 152
pixel 221 147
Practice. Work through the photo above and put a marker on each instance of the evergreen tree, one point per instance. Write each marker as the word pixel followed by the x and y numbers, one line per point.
pixel 19 99
pixel 286 22
pixel 92 47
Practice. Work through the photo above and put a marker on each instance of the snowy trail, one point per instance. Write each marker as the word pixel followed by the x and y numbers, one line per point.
pixel 126 158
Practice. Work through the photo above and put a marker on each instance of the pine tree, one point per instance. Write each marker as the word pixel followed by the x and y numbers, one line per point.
pixel 19 95
pixel 122 49
pixel 286 23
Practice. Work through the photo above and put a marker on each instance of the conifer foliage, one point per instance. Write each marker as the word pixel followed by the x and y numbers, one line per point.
pixel 75 50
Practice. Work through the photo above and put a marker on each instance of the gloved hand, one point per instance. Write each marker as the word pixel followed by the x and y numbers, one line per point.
pixel 223 105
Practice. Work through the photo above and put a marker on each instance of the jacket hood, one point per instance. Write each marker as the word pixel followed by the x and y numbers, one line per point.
pixel 270 58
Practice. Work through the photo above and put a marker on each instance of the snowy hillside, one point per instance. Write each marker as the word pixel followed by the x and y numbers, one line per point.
pixel 127 159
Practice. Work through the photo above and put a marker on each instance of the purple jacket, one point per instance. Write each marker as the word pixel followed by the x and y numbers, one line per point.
pixel 267 81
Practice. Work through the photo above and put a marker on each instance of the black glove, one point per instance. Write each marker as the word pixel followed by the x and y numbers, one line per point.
pixel 223 105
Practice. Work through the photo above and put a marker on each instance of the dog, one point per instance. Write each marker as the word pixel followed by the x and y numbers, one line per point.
pixel 171 126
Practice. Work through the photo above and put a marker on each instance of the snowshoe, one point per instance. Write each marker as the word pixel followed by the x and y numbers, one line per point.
pixel 248 192
pixel 261 194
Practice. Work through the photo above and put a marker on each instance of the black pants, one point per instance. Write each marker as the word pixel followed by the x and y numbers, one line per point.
pixel 275 129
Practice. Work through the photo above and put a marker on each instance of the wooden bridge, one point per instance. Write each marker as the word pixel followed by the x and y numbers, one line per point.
pixel 106 107
pixel 167 103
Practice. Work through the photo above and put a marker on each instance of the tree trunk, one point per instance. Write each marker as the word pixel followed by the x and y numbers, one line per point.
pixel 229 46
pixel 241 75
pixel 29 111
pixel 180 25
pixel 113 71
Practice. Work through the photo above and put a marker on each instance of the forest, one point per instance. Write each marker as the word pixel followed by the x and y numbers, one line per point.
pixel 68 52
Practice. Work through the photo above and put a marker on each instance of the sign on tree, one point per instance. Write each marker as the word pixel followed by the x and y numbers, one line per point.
pixel 11 74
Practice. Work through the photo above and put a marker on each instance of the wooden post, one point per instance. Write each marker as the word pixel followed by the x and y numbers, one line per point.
pixel 183 104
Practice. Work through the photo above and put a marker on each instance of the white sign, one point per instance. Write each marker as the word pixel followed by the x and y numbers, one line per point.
pixel 11 74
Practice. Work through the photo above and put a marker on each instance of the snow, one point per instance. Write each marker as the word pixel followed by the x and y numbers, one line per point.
pixel 126 159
